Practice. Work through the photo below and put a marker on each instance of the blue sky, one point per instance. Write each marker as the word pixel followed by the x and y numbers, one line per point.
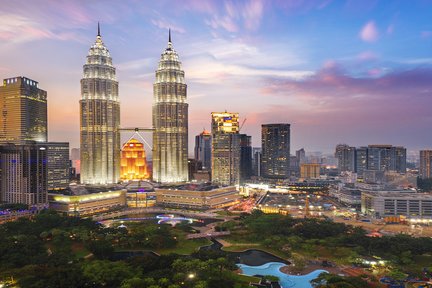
pixel 356 72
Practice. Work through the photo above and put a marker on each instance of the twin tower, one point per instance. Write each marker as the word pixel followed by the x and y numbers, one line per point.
pixel 100 119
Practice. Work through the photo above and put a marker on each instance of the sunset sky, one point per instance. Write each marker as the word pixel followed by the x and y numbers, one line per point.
pixel 356 72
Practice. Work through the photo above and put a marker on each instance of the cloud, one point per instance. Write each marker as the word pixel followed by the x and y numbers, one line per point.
pixel 369 32
pixel 252 14
pixel 331 89
pixel 19 29
pixel 367 56
pixel 211 61
pixel 233 16
pixel 136 64
pixel 163 24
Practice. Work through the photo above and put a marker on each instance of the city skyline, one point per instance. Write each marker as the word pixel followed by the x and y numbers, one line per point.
pixel 337 71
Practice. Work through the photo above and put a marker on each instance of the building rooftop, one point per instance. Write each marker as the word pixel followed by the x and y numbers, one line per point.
pixel 192 187
pixel 400 194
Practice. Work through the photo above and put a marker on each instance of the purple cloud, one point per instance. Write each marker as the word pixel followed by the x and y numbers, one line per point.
pixel 369 32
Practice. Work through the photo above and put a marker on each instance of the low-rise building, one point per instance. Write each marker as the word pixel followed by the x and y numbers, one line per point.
pixel 310 171
pixel 350 196
pixel 389 203
pixel 199 197
pixel 87 204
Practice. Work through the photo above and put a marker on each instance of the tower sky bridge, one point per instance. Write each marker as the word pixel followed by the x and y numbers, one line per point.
pixel 137 132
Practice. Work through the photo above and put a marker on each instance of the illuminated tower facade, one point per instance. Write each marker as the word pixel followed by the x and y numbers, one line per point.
pixel 23 111
pixel 225 148
pixel 275 143
pixel 170 120
pixel 133 161
pixel 100 118
pixel 203 149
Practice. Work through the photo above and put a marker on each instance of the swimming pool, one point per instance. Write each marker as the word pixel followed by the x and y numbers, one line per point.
pixel 286 281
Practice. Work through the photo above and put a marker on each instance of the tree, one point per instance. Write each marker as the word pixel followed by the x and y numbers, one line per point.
pixel 109 274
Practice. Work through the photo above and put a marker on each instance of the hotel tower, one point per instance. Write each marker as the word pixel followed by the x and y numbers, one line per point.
pixel 100 118
pixel 170 120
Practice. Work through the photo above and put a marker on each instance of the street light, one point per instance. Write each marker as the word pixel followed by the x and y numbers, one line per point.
pixel 191 276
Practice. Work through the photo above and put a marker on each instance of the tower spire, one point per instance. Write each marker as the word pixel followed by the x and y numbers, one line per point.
pixel 169 35
pixel 98 30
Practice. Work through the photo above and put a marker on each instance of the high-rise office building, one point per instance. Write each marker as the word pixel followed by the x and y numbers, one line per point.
pixel 58 165
pixel 23 177
pixel 225 148
pixel 256 158
pixel 275 143
pixel 386 158
pixel 203 149
pixel 133 161
pixel 346 157
pixel 425 164
pixel 100 118
pixel 301 156
pixel 24 111
pixel 245 157
pixel 361 161
pixel 170 120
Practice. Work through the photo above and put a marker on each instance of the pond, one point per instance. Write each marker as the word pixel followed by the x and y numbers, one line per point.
pixel 252 257
pixel 171 219
pixel 286 281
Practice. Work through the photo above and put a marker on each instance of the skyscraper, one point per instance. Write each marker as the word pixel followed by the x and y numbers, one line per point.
pixel 100 118
pixel 24 111
pixel 256 158
pixel 245 157
pixel 225 148
pixel 170 119
pixel 301 156
pixel 386 158
pixel 58 165
pixel 203 149
pixel 361 161
pixel 23 177
pixel 275 141
pixel 346 157
pixel 425 164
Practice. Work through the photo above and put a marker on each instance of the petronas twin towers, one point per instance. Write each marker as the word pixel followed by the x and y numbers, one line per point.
pixel 100 119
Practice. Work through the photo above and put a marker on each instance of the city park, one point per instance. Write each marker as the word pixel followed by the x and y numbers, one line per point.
pixel 211 249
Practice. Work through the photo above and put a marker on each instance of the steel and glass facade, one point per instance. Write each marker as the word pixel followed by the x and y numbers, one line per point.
pixel 275 141
pixel 225 148
pixel 23 177
pixel 425 171
pixel 170 120
pixel 23 111
pixel 100 118
pixel 203 149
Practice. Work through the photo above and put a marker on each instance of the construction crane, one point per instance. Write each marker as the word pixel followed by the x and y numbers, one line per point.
pixel 241 126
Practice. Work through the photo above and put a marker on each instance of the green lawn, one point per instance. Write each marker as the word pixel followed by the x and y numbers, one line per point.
pixel 185 247
pixel 247 279
pixel 240 248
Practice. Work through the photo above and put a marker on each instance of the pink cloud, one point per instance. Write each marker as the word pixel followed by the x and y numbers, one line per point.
pixel 333 106
pixel 369 32
pixel 225 22
pixel 252 14
pixel 367 56
pixel 333 89
pixel 163 24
